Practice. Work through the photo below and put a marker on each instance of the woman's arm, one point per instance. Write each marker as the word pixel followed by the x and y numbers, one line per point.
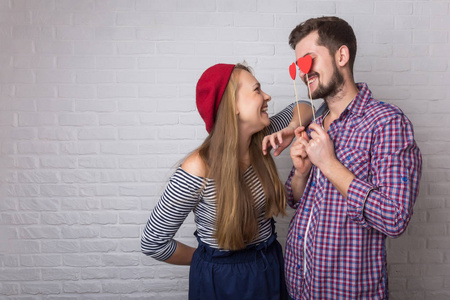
pixel 178 200
pixel 282 132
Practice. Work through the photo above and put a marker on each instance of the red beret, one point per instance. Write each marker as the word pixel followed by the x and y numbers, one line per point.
pixel 210 89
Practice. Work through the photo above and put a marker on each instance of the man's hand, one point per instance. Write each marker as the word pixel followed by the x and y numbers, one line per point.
pixel 320 148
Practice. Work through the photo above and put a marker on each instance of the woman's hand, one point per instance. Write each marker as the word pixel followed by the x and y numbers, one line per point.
pixel 279 140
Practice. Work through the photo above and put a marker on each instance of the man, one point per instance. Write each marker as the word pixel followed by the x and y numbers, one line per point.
pixel 355 176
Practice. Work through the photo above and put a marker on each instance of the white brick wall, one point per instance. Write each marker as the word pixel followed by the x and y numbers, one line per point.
pixel 97 107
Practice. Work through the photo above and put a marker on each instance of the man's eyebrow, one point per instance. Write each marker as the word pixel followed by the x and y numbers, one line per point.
pixel 257 84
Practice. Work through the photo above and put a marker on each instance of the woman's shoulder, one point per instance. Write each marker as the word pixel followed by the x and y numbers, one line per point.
pixel 194 165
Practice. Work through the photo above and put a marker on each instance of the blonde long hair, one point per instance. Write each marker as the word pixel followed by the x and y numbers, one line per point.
pixel 236 222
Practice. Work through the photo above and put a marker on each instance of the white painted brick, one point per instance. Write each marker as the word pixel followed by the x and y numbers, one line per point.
pixel 354 8
pixel 117 91
pixel 15 18
pixel 9 289
pixel 75 33
pixel 142 134
pixel 54 47
pixel 41 260
pixel 80 204
pixel 37 119
pixel 9 260
pixel 412 22
pixel 97 163
pixel 34 62
pixel 115 62
pixel 122 176
pixel 58 190
pixel 97 191
pixel 26 162
pixel 18 275
pixel 133 48
pixel 95 106
pixel 46 17
pixel 137 218
pixel 94 48
pixel 59 105
pixel 82 287
pixel 57 134
pixel 61 246
pixel 432 9
pixel 137 190
pixel 97 246
pixel 8 118
pixel 60 162
pixel 77 119
pixel 120 260
pixel 128 69
pixel 41 288
pixel 136 19
pixel 60 218
pixel 394 8
pixel 99 273
pixel 254 20
pixel 120 287
pixel 118 148
pixel 39 204
pixel 95 77
pixel 136 105
pixel 115 5
pixel 93 19
pixel 97 134
pixel 75 62
pixel 33 91
pixel 76 91
pixel 16 76
pixel 89 218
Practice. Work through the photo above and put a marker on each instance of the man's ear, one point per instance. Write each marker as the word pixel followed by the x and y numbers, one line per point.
pixel 342 56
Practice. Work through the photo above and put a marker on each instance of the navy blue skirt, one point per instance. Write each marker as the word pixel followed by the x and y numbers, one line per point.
pixel 256 272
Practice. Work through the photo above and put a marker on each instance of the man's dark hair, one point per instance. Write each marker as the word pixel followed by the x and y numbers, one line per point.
pixel 333 33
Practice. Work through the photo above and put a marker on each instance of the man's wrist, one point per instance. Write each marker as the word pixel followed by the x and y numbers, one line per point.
pixel 299 176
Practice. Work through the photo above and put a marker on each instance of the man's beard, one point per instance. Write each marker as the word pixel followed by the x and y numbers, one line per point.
pixel 333 87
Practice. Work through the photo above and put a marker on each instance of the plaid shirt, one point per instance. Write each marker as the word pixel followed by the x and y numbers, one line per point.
pixel 344 256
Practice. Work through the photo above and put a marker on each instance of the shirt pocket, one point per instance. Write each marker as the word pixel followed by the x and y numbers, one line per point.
pixel 356 160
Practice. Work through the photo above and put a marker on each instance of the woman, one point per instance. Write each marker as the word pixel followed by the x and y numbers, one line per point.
pixel 234 191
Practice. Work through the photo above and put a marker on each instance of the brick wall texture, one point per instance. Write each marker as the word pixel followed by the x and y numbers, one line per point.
pixel 97 108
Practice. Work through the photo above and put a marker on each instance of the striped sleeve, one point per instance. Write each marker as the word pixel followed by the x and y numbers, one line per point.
pixel 283 118
pixel 177 201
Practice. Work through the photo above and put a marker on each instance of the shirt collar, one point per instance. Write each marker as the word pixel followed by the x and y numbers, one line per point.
pixel 359 103
pixel 356 106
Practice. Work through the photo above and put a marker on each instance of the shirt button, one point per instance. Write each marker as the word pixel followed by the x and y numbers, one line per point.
pixel 405 179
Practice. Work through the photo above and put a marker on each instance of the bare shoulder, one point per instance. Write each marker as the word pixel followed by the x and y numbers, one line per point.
pixel 194 165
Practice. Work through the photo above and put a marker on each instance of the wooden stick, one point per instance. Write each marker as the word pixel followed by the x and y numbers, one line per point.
pixel 298 109
pixel 309 92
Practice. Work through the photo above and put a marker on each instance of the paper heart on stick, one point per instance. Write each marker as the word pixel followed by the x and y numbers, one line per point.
pixel 292 71
pixel 304 63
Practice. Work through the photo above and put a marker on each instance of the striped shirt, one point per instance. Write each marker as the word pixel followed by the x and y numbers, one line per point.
pixel 186 192
pixel 335 247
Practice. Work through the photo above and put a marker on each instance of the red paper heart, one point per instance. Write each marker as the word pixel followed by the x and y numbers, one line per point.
pixel 292 71
pixel 304 63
